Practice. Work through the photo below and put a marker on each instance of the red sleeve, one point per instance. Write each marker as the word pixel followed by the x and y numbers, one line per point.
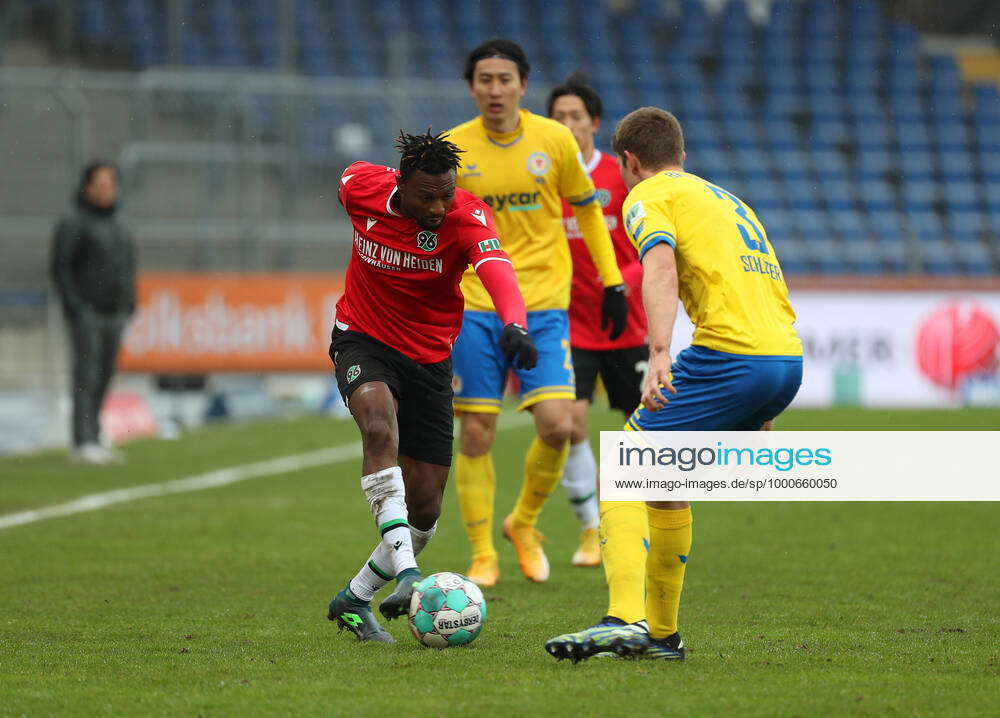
pixel 344 189
pixel 497 275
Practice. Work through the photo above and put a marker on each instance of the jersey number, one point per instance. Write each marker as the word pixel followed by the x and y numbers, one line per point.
pixel 757 242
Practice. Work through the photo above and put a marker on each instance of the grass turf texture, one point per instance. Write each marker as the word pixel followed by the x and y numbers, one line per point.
pixel 213 602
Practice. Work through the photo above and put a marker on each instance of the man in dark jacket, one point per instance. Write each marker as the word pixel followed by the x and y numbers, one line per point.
pixel 93 267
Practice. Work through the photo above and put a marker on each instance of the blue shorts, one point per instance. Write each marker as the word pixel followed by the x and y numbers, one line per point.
pixel 717 391
pixel 480 369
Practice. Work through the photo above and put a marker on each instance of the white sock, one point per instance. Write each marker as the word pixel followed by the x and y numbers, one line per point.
pixel 580 481
pixel 386 496
pixel 373 575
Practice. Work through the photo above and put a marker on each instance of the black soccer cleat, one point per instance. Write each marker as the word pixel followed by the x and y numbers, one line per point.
pixel 356 616
pixel 670 648
pixel 397 603
pixel 611 635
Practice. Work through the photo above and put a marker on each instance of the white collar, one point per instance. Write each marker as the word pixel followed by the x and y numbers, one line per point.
pixel 388 203
pixel 594 160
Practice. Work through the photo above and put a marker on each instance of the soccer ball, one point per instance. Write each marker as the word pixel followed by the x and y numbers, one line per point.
pixel 446 609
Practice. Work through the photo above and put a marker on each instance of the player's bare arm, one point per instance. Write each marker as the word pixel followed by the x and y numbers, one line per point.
pixel 659 297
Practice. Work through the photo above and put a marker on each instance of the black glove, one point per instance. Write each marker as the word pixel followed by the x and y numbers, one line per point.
pixel 614 310
pixel 516 345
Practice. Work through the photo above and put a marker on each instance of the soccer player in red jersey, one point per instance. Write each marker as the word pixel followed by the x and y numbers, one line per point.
pixel 414 235
pixel 620 362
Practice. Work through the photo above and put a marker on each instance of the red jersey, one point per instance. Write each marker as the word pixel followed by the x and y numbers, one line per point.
pixel 588 292
pixel 402 283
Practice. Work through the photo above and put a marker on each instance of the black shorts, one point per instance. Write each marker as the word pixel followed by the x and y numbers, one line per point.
pixel 425 417
pixel 621 371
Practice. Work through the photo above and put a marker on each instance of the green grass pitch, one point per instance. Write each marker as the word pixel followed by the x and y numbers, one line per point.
pixel 213 602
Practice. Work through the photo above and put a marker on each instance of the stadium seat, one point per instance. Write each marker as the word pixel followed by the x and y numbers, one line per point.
pixel 937 258
pixel 919 192
pixel 975 259
pixel 863 256
pixel 876 195
pixel 961 194
pixel 827 256
pixel 965 224
pixel 849 224
pixel 887 225
pixel 895 256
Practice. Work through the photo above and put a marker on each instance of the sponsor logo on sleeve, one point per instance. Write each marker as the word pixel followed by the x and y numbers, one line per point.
pixel 489 245
pixel 634 214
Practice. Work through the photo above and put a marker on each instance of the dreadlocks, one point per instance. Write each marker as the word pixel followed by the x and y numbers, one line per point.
pixel 428 153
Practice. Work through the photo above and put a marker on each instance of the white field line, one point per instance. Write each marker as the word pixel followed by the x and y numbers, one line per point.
pixel 209 480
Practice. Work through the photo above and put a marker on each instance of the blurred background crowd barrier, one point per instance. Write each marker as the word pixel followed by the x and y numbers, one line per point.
pixel 865 134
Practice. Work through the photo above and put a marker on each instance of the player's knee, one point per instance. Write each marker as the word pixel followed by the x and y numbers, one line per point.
pixel 426 515
pixel 555 432
pixel 476 434
pixel 379 433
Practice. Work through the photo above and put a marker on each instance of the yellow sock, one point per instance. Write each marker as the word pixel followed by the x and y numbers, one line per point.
pixel 669 546
pixel 543 467
pixel 476 481
pixel 624 534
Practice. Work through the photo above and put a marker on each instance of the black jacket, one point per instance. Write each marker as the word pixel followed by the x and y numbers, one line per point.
pixel 93 262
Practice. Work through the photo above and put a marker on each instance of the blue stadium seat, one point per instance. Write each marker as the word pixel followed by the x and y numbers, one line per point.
pixel 779 134
pixel 765 195
pixel 791 252
pixel 801 194
pixel 863 256
pixel 937 258
pixel 753 163
pixel 989 165
pixel 912 136
pixel 916 164
pixel 874 163
pixel 264 31
pixel 919 192
pixel 837 194
pixel 956 164
pixel 791 164
pixel 829 164
pixel 924 224
pixel 887 225
pixel 228 40
pixel 315 53
pixel 876 195
pixel 965 225
pixel 961 194
pixel 848 223
pixel 143 26
pixel 827 255
pixel 871 133
pixel 828 134
pixel 895 256
pixel 951 133
pixel 97 23
pixel 908 107
pixel 811 224
pixel 975 259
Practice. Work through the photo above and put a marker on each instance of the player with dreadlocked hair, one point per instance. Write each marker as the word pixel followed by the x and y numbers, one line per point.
pixel 415 234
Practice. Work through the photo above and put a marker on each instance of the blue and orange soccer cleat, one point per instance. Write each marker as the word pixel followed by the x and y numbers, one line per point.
pixel 611 635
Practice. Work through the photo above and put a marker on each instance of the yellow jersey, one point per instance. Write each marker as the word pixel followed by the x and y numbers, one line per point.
pixel 729 277
pixel 523 176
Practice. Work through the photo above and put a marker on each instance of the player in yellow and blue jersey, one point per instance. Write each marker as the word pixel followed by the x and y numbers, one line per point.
pixel 522 165
pixel 698 242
